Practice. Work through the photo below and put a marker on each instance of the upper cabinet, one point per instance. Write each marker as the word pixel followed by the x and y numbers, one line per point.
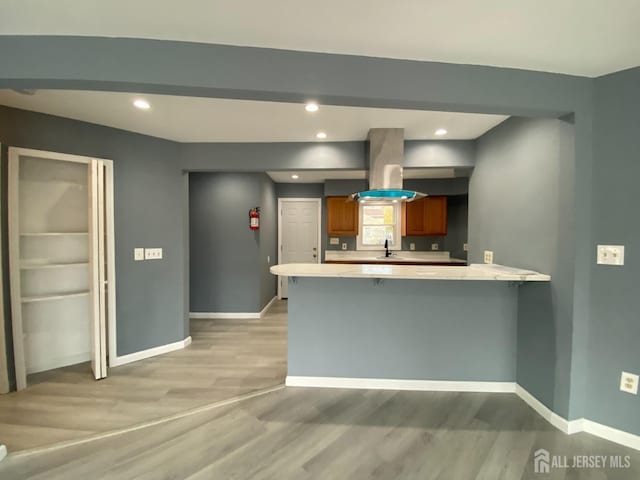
pixel 427 216
pixel 342 216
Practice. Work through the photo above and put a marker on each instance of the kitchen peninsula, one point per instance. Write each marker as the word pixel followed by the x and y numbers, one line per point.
pixel 404 326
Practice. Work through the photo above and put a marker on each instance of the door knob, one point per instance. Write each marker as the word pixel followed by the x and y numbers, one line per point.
pixel 315 256
pixel 314 249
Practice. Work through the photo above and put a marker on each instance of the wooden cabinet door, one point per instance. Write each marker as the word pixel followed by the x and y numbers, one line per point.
pixel 342 216
pixel 435 216
pixel 426 216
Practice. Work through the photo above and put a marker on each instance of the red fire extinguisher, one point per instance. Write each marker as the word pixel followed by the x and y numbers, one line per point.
pixel 254 218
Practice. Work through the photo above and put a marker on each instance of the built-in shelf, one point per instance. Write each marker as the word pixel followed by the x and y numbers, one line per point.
pixel 43 265
pixel 52 234
pixel 47 298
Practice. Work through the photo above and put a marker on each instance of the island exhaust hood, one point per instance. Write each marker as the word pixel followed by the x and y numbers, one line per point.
pixel 386 153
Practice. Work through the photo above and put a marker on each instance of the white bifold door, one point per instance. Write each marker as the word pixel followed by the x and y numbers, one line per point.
pixel 61 260
pixel 299 232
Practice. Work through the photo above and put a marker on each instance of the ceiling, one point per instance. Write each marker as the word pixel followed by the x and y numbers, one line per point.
pixel 194 119
pixel 579 37
pixel 319 176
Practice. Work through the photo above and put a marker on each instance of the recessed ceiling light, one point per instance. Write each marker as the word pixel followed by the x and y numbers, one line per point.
pixel 321 135
pixel 311 107
pixel 295 177
pixel 141 104
pixel 441 131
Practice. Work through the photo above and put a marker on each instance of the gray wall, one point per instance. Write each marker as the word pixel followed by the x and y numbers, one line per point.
pixel 614 327
pixel 402 329
pixel 149 207
pixel 517 209
pixel 182 68
pixel 228 261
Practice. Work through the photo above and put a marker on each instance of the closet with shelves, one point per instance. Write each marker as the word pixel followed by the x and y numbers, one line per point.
pixel 61 260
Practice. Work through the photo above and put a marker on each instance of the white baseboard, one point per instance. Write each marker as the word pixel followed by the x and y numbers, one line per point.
pixel 613 434
pixel 232 315
pixel 567 426
pixel 151 352
pixel 579 425
pixel 395 384
pixel 3 452
pixel 545 412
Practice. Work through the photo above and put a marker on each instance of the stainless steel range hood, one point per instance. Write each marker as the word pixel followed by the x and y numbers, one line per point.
pixel 386 153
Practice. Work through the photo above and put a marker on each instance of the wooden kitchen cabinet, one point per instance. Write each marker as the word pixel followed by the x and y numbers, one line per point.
pixel 425 217
pixel 342 216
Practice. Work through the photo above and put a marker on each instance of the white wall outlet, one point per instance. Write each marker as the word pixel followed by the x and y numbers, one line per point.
pixel 465 247
pixel 610 255
pixel 435 246
pixel 152 253
pixel 268 258
pixel 488 256
pixel 344 246
pixel 334 241
pixel 412 246
pixel 629 383
pixel 138 254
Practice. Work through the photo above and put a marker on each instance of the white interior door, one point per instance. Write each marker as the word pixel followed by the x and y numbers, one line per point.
pixel 97 269
pixel 56 244
pixel 299 234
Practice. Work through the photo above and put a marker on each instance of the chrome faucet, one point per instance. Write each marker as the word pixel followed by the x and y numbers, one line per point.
pixel 387 252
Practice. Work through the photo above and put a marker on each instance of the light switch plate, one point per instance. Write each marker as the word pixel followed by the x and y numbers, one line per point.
pixel 488 256
pixel 610 255
pixel 334 241
pixel 629 383
pixel 412 246
pixel 138 254
pixel 465 247
pixel 435 246
pixel 344 246
pixel 152 253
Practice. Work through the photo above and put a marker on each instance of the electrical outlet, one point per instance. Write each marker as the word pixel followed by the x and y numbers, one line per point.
pixel 152 253
pixel 268 258
pixel 629 383
pixel 344 246
pixel 138 254
pixel 334 241
pixel 488 256
pixel 435 246
pixel 465 247
pixel 412 246
pixel 610 255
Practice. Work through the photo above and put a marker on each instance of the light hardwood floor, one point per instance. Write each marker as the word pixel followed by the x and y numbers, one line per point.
pixel 226 358
pixel 298 433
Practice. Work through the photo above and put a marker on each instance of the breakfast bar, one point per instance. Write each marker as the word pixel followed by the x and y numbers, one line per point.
pixel 401 325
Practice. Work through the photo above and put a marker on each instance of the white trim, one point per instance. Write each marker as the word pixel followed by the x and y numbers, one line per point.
pixel 397 226
pixel 398 384
pixel 63 157
pixel 4 369
pixel 545 412
pixel 3 452
pixel 281 200
pixel 110 251
pixel 151 352
pixel 579 425
pixel 266 308
pixel 233 315
pixel 612 434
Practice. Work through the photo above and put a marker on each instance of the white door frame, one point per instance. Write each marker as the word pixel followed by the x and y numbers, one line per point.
pixel 282 200
pixel 4 370
pixel 14 253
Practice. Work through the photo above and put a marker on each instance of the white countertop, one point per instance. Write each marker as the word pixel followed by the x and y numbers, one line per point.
pixel 397 257
pixel 410 272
